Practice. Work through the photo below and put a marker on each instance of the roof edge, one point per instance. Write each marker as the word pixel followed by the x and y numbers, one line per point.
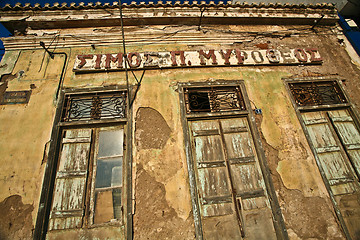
pixel 201 4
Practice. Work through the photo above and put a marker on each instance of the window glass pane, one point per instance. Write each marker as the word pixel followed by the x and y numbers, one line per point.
pixel 111 143
pixel 199 101
pixel 117 202
pixel 109 172
pixel 104 210
pixel 107 205
pixel 108 178
pixel 116 176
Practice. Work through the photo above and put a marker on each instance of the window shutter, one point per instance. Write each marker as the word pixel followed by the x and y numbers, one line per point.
pixel 349 135
pixel 230 185
pixel 69 193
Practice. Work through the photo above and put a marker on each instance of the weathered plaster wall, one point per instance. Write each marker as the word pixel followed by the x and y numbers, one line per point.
pixel 295 174
pixel 299 186
pixel 160 179
pixel 25 129
pixel 161 184
pixel 16 220
pixel 303 198
pixel 98 233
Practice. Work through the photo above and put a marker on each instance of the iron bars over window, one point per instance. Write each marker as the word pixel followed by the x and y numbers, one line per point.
pixel 317 93
pixel 214 99
pixel 95 106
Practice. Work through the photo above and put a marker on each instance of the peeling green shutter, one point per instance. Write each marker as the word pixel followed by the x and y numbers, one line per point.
pixel 69 193
pixel 349 135
pixel 336 140
pixel 231 189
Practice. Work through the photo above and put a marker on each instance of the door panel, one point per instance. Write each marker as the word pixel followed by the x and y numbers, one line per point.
pixel 328 148
pixel 212 181
pixel 204 154
pixel 217 209
pixel 246 178
pixel 230 185
pixel 220 227
pixel 259 224
pixel 349 135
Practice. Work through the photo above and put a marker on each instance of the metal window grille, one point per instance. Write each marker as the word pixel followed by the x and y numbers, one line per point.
pixel 96 106
pixel 214 99
pixel 317 93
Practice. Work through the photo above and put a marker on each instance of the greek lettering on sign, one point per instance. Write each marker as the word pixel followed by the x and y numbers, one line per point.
pixel 201 58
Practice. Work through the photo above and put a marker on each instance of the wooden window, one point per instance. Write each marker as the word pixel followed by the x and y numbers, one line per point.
pixel 231 199
pixel 88 188
pixel 333 132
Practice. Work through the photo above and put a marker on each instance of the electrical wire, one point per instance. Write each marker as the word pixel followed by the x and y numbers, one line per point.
pixel 165 36
pixel 277 33
pixel 124 52
pixel 303 31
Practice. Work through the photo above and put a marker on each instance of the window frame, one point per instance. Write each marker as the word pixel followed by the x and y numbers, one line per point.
pixel 302 109
pixel 93 167
pixel 278 222
pixel 45 203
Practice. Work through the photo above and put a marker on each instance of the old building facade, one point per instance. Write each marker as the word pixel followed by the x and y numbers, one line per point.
pixel 178 121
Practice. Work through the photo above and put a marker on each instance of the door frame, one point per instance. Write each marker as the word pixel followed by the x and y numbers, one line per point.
pixel 278 220
pixel 298 110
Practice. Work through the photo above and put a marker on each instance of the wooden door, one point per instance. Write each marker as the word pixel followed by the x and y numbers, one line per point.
pixel 231 191
pixel 336 140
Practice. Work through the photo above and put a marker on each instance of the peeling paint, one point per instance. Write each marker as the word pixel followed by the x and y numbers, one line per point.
pixel 152 204
pixel 300 206
pixel 15 219
pixel 152 131
pixel 8 62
